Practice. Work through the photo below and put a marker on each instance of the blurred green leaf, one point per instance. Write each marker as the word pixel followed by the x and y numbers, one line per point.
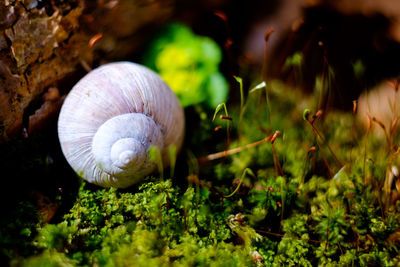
pixel 189 64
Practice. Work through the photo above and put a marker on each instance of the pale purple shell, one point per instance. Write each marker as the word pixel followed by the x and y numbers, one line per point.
pixel 118 101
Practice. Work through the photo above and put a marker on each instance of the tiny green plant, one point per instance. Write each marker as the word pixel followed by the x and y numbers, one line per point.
pixel 242 100
pixel 155 156
pixel 172 159
pixel 306 117
pixel 245 172
pixel 227 118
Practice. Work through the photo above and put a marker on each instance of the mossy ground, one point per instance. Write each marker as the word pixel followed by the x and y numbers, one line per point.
pixel 296 206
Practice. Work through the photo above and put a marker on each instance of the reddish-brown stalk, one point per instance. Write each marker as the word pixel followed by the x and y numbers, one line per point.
pixel 94 39
pixel 225 153
pixel 365 152
pixel 278 168
pixel 310 150
pixel 323 157
pixel 264 66
pixel 224 18
pixel 294 237
pixel 311 122
pixel 353 126
pixel 384 130
pixel 228 132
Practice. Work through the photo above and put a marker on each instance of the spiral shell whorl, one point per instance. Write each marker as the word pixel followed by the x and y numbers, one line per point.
pixel 127 152
pixel 120 146
pixel 110 119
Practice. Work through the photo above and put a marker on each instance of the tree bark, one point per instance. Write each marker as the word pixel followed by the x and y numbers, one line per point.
pixel 49 44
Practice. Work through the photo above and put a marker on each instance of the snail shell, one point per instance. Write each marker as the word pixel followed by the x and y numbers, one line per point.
pixel 111 118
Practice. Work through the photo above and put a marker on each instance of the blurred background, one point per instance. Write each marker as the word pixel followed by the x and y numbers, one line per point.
pixel 46 46
pixel 355 42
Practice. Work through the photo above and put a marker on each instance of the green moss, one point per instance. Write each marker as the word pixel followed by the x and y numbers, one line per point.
pixel 300 208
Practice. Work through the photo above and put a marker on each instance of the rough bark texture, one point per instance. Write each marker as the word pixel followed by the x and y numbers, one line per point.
pixel 47 44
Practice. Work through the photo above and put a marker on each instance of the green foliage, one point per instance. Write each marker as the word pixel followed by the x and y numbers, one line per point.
pixel 49 259
pixel 292 252
pixel 189 64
